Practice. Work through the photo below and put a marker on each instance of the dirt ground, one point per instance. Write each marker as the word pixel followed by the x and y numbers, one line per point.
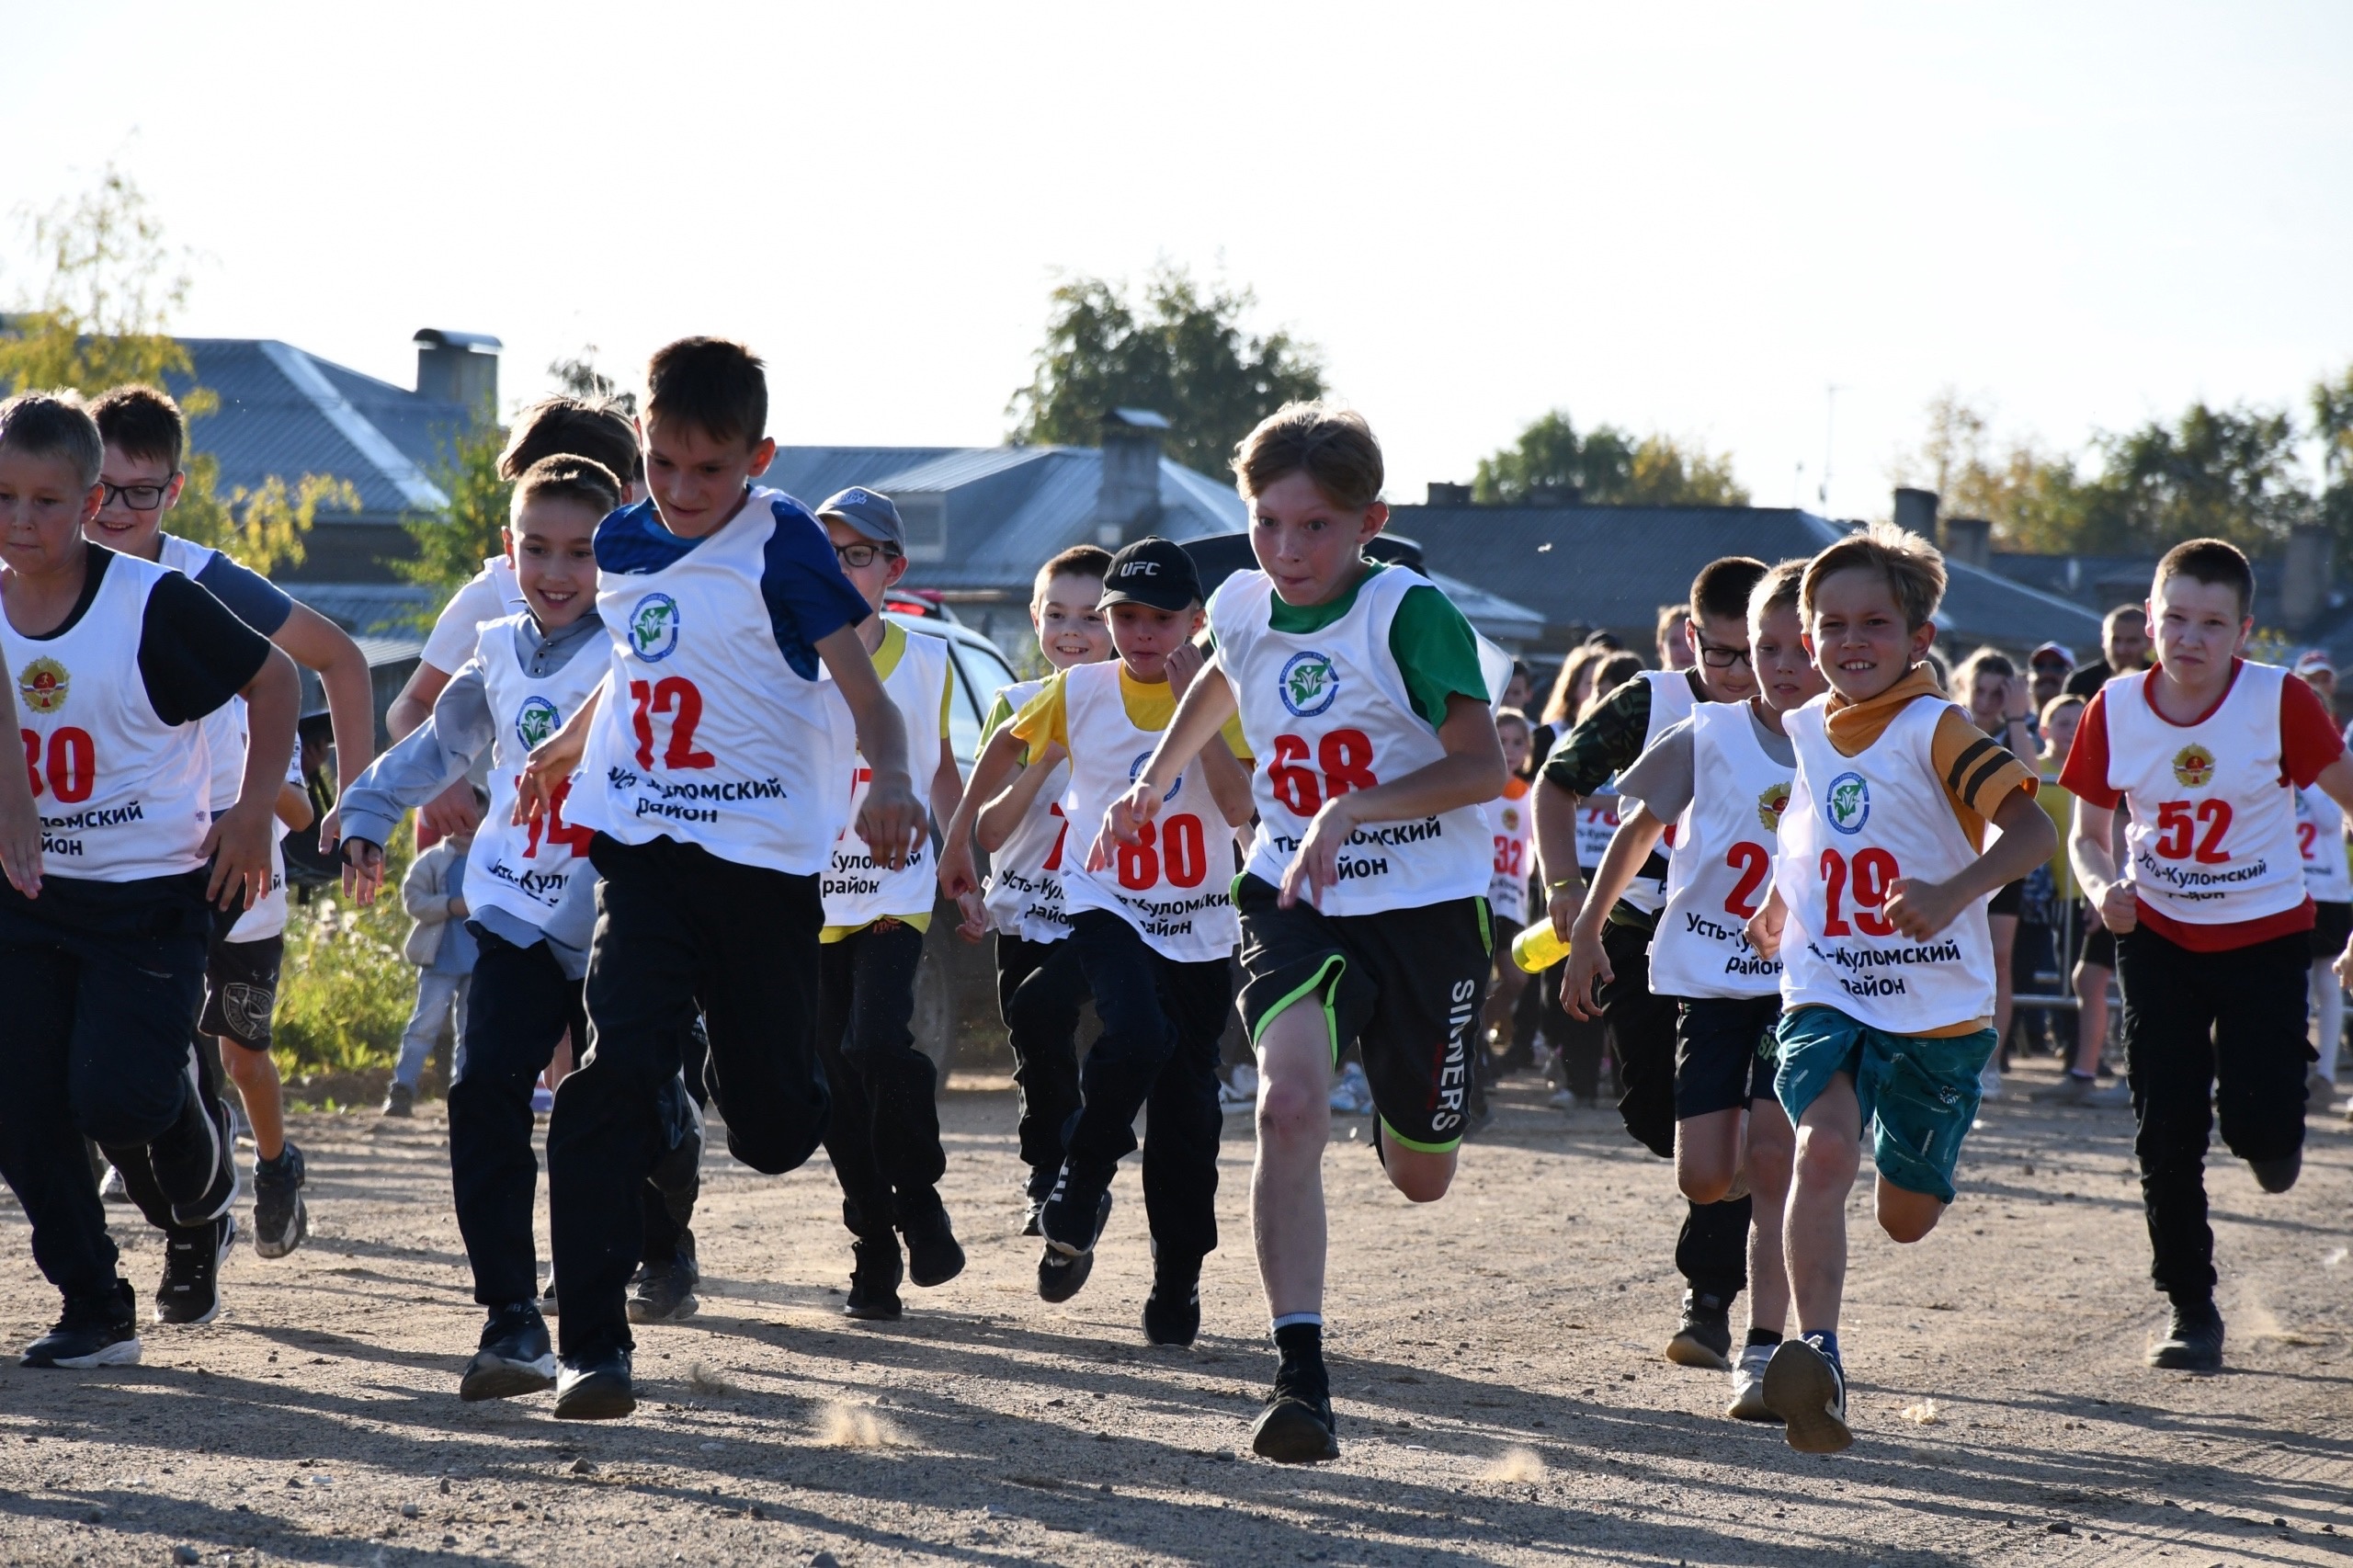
pixel 1495 1358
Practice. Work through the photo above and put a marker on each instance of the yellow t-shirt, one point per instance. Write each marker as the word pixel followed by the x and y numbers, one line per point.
pixel 886 659
pixel 1044 720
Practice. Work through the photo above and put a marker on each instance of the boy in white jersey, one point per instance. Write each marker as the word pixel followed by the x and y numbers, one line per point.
pixel 710 771
pixel 1016 812
pixel 2320 834
pixel 884 1138
pixel 1514 835
pixel 1721 778
pixel 2205 752
pixel 1153 926
pixel 146 438
pixel 117 661
pixel 1878 915
pixel 1360 687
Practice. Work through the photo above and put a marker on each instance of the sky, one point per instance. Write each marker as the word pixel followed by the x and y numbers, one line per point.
pixel 1694 218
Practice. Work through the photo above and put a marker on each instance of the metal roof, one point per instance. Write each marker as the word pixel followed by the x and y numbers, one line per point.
pixel 1614 567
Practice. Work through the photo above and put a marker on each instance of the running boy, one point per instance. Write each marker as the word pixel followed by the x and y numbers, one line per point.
pixel 709 773
pixel 117 661
pixel 1153 925
pixel 146 438
pixel 1710 1253
pixel 2204 753
pixel 1039 983
pixel 1507 887
pixel 1362 903
pixel 527 893
pixel 1878 915
pixel 884 1138
pixel 1721 778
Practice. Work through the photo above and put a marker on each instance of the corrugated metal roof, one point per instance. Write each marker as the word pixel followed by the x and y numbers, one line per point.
pixel 372 610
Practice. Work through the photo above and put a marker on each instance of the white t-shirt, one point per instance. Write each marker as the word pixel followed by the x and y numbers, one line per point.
pixel 491 593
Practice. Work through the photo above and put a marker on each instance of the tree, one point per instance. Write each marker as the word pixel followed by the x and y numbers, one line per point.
pixel 2332 404
pixel 1610 466
pixel 580 377
pixel 1179 350
pixel 102 318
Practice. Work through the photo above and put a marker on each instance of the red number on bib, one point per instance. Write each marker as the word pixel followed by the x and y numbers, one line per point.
pixel 2178 837
pixel 1754 865
pixel 1510 855
pixel 1875 875
pixel 2305 833
pixel 671 695
pixel 1138 864
pixel 1054 856
pixel 1181 846
pixel 72 764
pixel 1294 786
pixel 550 827
pixel 1345 757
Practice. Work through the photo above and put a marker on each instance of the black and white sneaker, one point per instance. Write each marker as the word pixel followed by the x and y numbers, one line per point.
pixel 94 1331
pixel 1030 1210
pixel 190 1293
pixel 112 1189
pixel 515 1357
pixel 1298 1427
pixel 934 1255
pixel 1808 1390
pixel 1171 1313
pixel 594 1386
pixel 662 1293
pixel 280 1222
pixel 1064 1264
pixel 1704 1337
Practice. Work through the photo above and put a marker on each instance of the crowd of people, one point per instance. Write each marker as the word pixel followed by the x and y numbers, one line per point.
pixel 1800 868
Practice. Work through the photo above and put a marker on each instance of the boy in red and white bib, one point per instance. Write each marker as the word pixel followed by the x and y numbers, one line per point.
pixel 1878 915
pixel 2204 753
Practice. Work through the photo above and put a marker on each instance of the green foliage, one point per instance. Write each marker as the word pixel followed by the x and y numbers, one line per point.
pixel 451 544
pixel 1179 350
pixel 1608 466
pixel 580 377
pixel 345 992
pixel 102 318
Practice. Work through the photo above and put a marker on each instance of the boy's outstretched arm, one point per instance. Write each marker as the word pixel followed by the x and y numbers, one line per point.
pixel 1000 758
pixel 1470 773
pixel 19 817
pixel 312 640
pixel 1201 712
pixel 1921 908
pixel 891 820
pixel 1003 814
pixel 1221 771
pixel 239 839
pixel 1556 855
pixel 2092 855
pixel 1638 834
pixel 416 771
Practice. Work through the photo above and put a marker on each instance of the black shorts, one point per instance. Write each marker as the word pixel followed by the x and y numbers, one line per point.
pixel 2332 923
pixel 2006 898
pixel 1724 1054
pixel 2095 943
pixel 1406 983
pixel 241 989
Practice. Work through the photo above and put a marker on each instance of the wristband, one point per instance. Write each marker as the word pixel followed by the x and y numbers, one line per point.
pixel 2018 718
pixel 1564 883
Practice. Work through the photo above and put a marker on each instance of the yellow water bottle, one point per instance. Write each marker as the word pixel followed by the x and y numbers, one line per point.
pixel 1536 947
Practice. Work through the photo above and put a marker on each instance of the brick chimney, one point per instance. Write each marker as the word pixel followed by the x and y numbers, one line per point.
pixel 459 367
pixel 1127 503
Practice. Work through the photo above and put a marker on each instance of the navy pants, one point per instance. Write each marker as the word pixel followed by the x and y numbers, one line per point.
pixel 884 1138
pixel 1040 986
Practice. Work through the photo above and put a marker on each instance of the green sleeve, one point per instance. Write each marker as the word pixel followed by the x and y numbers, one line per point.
pixel 1436 652
pixel 1000 715
pixel 1606 743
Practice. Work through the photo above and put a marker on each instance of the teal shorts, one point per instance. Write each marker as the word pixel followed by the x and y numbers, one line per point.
pixel 1921 1089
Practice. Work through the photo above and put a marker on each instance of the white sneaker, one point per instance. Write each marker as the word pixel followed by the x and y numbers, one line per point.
pixel 1748 1385
pixel 1239 1091
pixel 112 1189
pixel 1989 1081
pixel 1564 1099
pixel 1351 1095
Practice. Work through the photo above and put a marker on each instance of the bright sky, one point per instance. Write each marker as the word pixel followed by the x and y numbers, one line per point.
pixel 1688 218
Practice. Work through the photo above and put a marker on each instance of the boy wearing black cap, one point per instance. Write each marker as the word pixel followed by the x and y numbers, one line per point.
pixel 1153 929
pixel 884 1136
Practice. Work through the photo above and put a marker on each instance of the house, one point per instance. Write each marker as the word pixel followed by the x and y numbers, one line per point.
pixel 1609 568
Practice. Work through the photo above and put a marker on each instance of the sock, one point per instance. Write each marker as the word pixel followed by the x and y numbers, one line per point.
pixel 283 1158
pixel 2081 1077
pixel 1762 1336
pixel 1298 1336
pixel 1827 1341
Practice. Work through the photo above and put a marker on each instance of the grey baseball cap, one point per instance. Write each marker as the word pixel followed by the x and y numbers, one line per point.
pixel 871 512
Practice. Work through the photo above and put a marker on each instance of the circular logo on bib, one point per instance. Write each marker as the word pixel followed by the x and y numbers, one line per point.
pixel 42 685
pixel 1847 804
pixel 1771 804
pixel 2194 766
pixel 1135 771
pixel 1511 820
pixel 1309 684
pixel 654 628
pixel 535 720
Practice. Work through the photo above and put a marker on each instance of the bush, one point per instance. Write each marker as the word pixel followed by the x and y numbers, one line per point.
pixel 345 992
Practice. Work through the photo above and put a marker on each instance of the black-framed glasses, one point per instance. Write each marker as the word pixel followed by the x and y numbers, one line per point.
pixel 1717 657
pixel 139 497
pixel 858 557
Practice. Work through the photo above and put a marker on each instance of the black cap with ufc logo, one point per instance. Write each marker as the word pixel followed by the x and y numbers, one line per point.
pixel 1154 571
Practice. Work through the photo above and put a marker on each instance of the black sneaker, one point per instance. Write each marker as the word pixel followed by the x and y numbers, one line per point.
pixel 280 1220
pixel 662 1293
pixel 1171 1313
pixel 873 1279
pixel 1061 1272
pixel 514 1358
pixel 1075 1211
pixel 934 1255
pixel 1808 1390
pixel 2193 1341
pixel 400 1099
pixel 1705 1337
pixel 594 1386
pixel 94 1331
pixel 1297 1426
pixel 2278 1176
pixel 677 1173
pixel 1035 1207
pixel 190 1293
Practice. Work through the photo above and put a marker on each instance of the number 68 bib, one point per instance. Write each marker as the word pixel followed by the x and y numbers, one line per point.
pixel 1171 886
pixel 1853 827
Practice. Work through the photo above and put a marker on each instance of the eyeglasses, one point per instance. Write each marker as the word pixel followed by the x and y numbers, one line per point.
pixel 859 556
pixel 137 498
pixel 1720 658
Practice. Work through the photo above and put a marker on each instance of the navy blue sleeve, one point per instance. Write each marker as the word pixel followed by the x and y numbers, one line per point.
pixel 254 599
pixel 194 653
pixel 808 597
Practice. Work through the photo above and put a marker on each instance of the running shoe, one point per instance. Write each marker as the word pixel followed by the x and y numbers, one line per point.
pixel 1239 1091
pixel 1704 1337
pixel 1298 1427
pixel 514 1358
pixel 1563 1100
pixel 94 1331
pixel 112 1189
pixel 594 1386
pixel 400 1099
pixel 1064 1265
pixel 1171 1313
pixel 2073 1090
pixel 934 1255
pixel 1031 1208
pixel 662 1293
pixel 1748 1385
pixel 190 1293
pixel 1989 1081
pixel 1808 1390
pixel 1351 1095
pixel 281 1220
pixel 873 1279
pixel 2193 1341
